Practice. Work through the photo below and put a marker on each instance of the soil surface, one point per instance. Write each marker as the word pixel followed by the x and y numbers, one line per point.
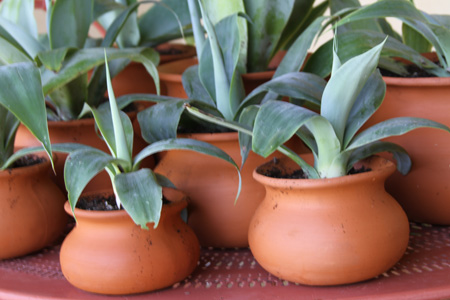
pixel 101 203
pixel 27 161
pixel 413 70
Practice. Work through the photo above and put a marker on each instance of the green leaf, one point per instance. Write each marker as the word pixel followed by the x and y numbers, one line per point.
pixel 53 59
pixel 392 127
pixel 415 40
pixel 160 121
pixel 21 94
pixel 9 125
pixel 277 122
pixel 140 195
pixel 70 22
pixel 18 36
pixel 80 167
pixel 11 54
pixel 269 20
pixel 401 157
pixel 337 7
pixel 344 86
pixel 367 102
pixel 194 87
pixel 247 118
pixel 20 12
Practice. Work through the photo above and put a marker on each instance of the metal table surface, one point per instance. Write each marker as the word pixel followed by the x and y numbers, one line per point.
pixel 423 273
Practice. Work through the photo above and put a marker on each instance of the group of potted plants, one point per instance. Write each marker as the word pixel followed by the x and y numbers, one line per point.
pixel 293 132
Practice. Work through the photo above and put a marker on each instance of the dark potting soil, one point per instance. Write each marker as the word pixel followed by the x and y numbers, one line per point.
pixel 27 161
pixel 101 203
pixel 413 70
pixel 169 51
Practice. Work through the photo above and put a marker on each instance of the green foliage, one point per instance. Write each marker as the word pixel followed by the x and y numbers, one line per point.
pixel 64 53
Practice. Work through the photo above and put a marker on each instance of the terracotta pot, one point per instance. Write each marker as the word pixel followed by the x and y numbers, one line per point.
pixel 424 192
pixel 329 231
pixel 31 210
pixel 78 131
pixel 108 253
pixel 211 185
pixel 135 79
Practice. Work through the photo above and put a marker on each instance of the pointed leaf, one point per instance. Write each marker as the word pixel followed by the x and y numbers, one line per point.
pixel 20 12
pixel 392 127
pixel 194 87
pixel 247 117
pixel 21 94
pixel 140 195
pixel 277 122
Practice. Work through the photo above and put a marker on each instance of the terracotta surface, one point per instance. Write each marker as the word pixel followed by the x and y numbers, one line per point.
pixel 425 192
pixel 108 253
pixel 31 210
pixel 329 231
pixel 211 185
pixel 135 79
pixel 78 131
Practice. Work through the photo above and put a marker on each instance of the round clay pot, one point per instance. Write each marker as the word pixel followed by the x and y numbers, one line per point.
pixel 108 253
pixel 135 79
pixel 31 210
pixel 424 192
pixel 78 131
pixel 328 231
pixel 211 185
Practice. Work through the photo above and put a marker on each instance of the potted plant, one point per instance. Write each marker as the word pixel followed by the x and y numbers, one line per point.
pixel 31 206
pixel 423 193
pixel 263 38
pixel 72 72
pixel 216 220
pixel 144 247
pixel 329 231
pixel 164 22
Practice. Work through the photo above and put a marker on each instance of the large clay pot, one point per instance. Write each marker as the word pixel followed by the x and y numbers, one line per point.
pixel 108 253
pixel 135 79
pixel 424 192
pixel 328 231
pixel 78 131
pixel 211 185
pixel 31 210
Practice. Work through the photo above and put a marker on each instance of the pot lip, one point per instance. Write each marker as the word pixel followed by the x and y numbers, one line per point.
pixel 38 167
pixel 217 136
pixel 418 82
pixel 179 202
pixel 385 167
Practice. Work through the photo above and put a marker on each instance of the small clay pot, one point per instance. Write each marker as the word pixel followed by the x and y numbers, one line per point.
pixel 328 231
pixel 31 210
pixel 108 253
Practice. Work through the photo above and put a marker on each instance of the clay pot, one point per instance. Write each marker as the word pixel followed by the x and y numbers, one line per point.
pixel 78 131
pixel 424 192
pixel 211 185
pixel 328 231
pixel 31 210
pixel 108 253
pixel 135 79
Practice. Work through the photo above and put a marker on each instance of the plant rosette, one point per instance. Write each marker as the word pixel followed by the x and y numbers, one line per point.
pixel 108 253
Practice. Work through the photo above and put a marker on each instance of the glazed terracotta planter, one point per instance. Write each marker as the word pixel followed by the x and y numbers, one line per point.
pixel 328 231
pixel 211 185
pixel 31 210
pixel 78 131
pixel 135 79
pixel 424 192
pixel 108 253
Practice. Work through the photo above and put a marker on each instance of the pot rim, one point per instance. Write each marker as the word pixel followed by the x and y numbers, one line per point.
pixel 418 82
pixel 35 168
pixel 216 136
pixel 178 201
pixel 384 167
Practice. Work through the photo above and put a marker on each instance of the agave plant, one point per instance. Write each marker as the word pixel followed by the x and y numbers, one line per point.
pixel 21 101
pixel 353 93
pixel 362 27
pixel 64 54
pixel 137 190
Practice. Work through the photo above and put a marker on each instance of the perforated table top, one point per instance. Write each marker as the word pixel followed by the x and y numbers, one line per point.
pixel 423 273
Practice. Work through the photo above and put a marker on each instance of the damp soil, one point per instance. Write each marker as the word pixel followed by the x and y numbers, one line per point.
pixel 169 51
pixel 278 172
pixel 413 70
pixel 101 203
pixel 27 161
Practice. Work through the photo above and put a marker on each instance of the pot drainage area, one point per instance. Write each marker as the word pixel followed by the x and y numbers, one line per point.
pixel 423 273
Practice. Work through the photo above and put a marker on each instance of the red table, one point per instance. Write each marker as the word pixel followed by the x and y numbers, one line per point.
pixel 423 273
